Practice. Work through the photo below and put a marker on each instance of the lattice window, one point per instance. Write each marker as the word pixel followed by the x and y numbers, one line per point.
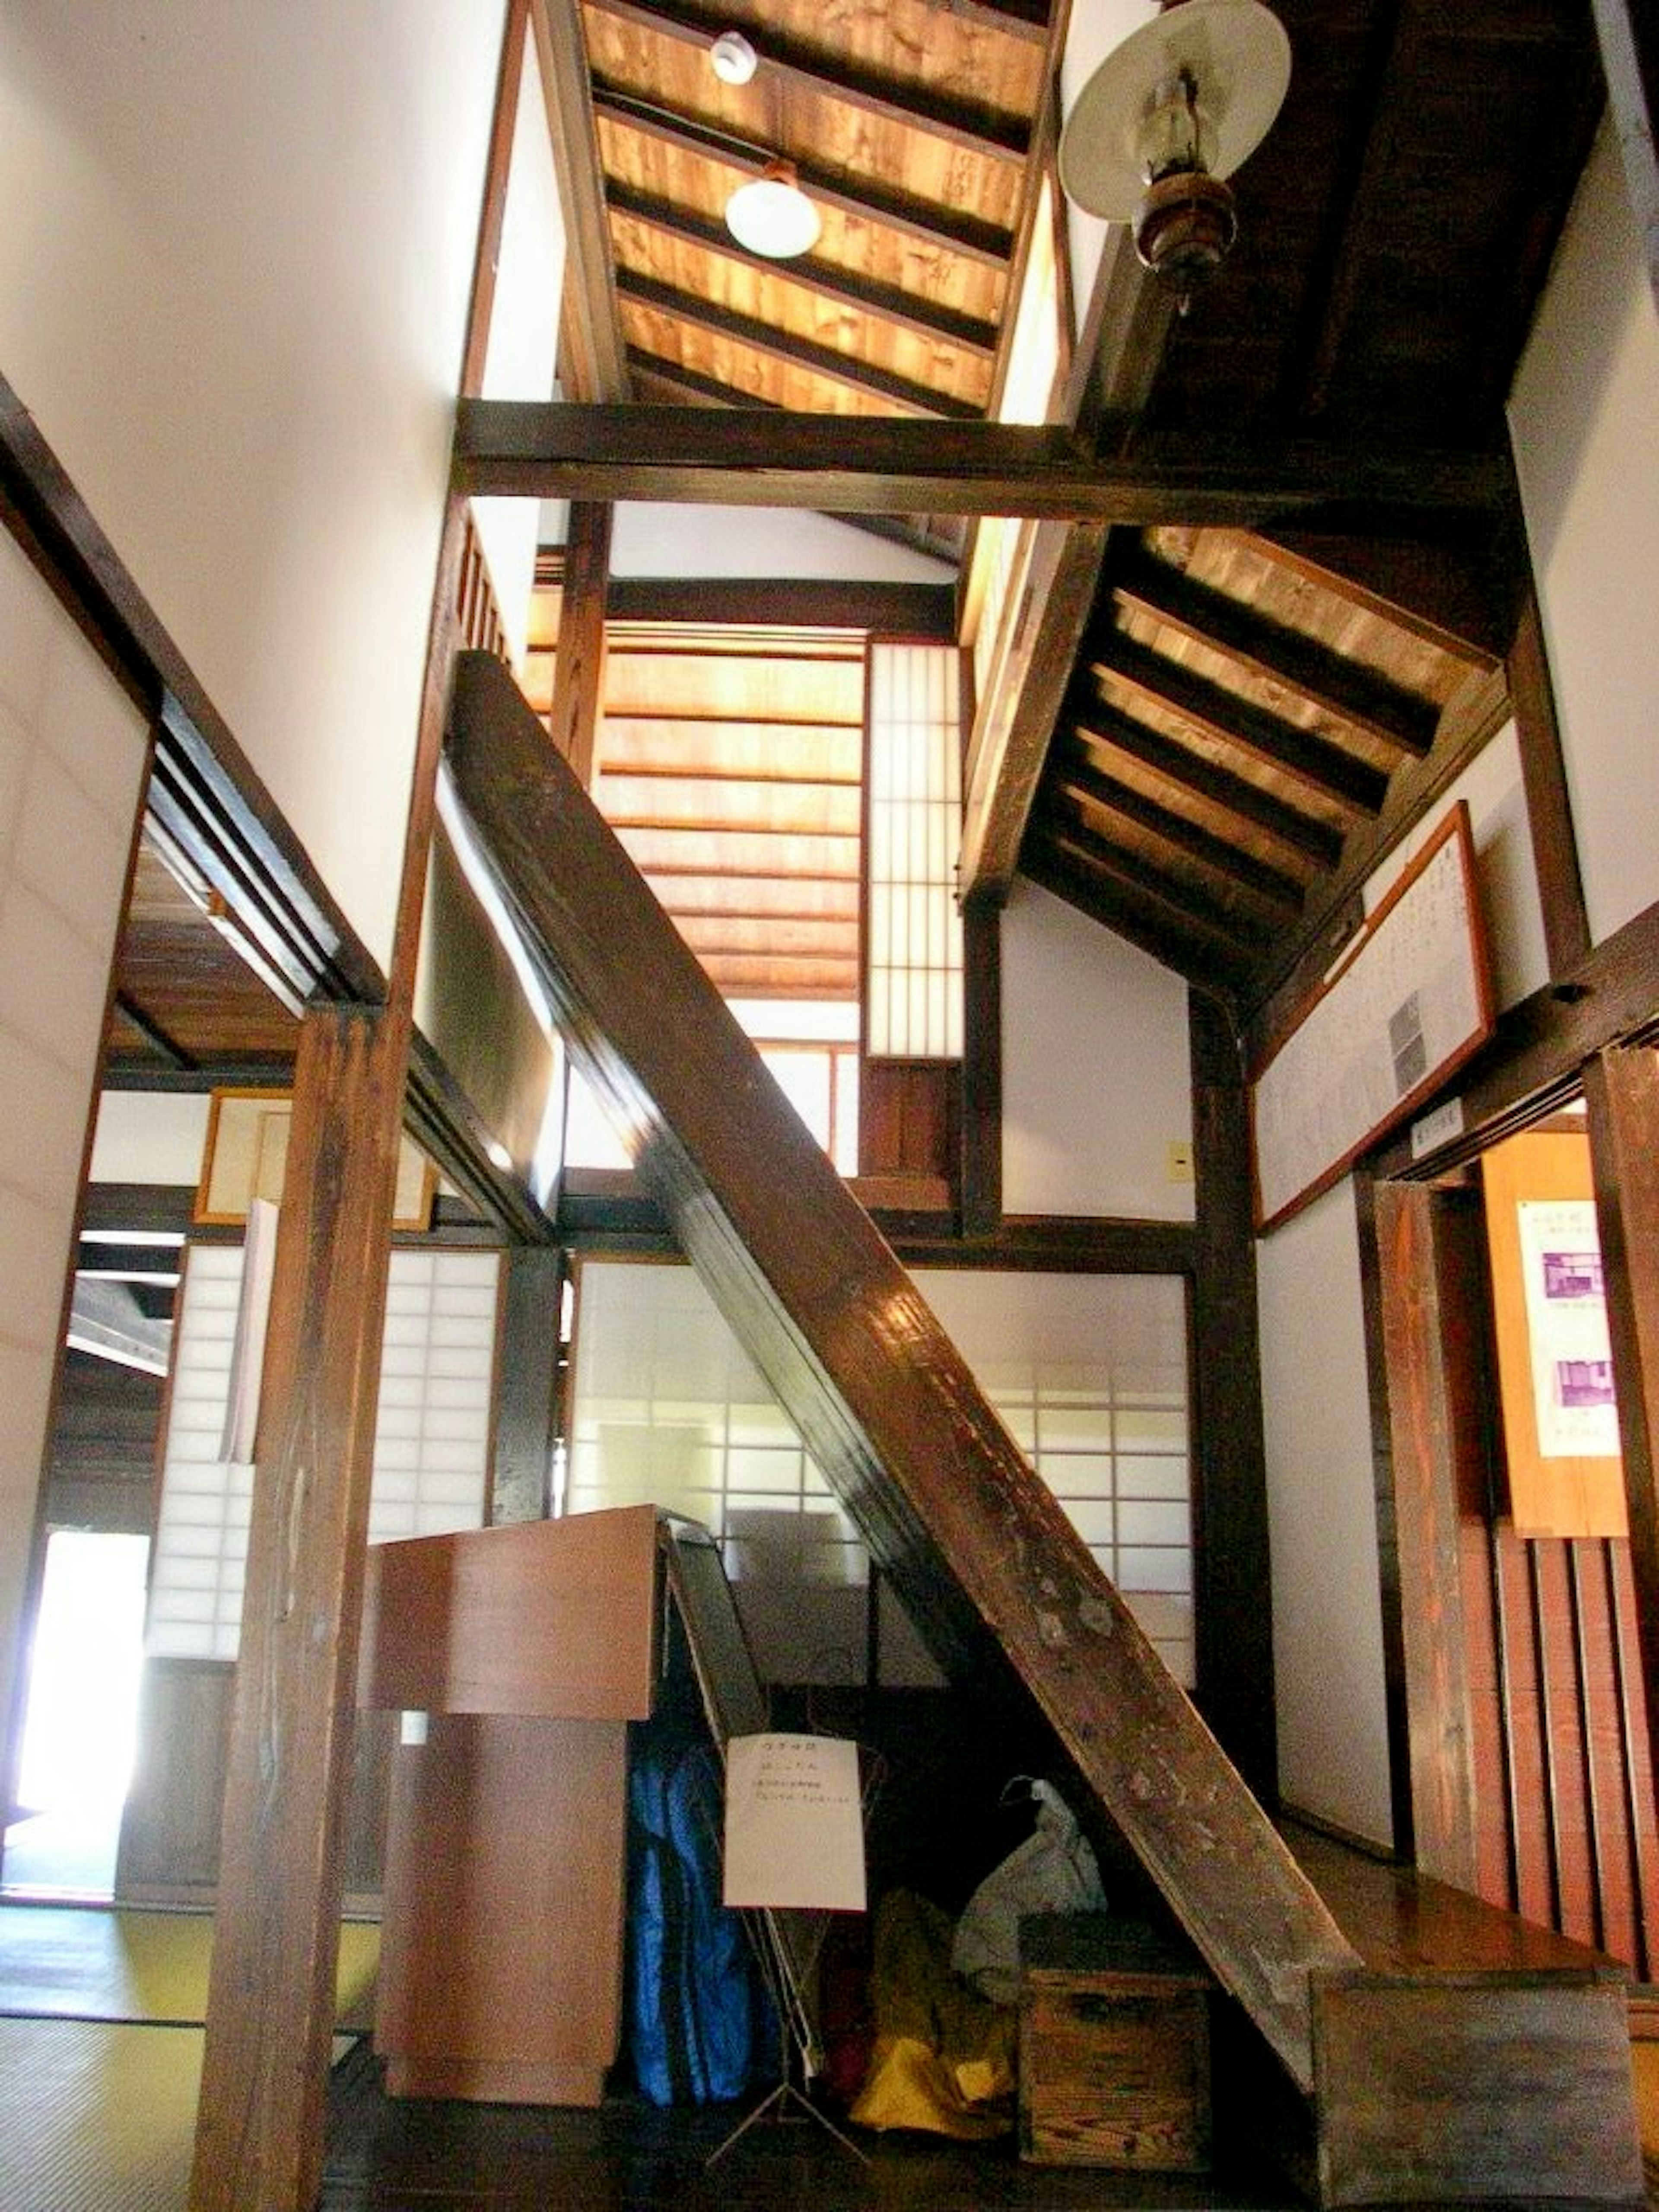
pixel 912 980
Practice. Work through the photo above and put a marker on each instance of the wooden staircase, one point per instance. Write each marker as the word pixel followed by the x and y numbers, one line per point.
pixel 983 1558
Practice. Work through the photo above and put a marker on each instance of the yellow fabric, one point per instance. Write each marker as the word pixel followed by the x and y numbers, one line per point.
pixel 944 2057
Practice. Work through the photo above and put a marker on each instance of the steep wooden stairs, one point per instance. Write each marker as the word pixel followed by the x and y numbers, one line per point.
pixel 1420 2079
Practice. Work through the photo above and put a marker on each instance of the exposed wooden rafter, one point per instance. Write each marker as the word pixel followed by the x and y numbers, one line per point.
pixel 592 362
pixel 824 361
pixel 978 127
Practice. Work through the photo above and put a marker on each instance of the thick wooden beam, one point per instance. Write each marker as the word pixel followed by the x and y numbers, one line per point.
pixel 592 360
pixel 1621 1092
pixel 923 611
pixel 270 2016
pixel 1443 590
pixel 579 660
pixel 981 1069
pixel 1549 806
pixel 763 457
pixel 1234 1627
pixel 1426 1328
pixel 1053 594
pixel 979 1550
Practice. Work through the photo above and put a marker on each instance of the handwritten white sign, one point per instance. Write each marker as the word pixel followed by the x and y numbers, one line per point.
pixel 794 1826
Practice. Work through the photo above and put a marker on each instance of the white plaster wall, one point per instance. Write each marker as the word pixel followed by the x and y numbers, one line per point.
pixel 648 539
pixel 233 271
pixel 1096 1079
pixel 1327 1616
pixel 150 1136
pixel 72 758
pixel 1584 421
pixel 1093 30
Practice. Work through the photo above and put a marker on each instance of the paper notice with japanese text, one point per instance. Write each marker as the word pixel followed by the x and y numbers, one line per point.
pixel 794 1826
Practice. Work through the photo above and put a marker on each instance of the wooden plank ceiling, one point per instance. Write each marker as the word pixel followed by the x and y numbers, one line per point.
pixel 1247 715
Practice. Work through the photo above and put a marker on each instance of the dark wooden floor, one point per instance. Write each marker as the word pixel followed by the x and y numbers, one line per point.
pixel 390 2156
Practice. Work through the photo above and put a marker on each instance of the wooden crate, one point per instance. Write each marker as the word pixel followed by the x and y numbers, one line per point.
pixel 1114 2047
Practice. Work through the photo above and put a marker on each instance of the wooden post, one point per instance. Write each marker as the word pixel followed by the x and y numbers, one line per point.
pixel 1234 1628
pixel 269 2021
pixel 1621 1089
pixel 1420 1322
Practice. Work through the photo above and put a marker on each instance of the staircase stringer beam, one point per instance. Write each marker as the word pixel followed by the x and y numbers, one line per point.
pixel 976 1544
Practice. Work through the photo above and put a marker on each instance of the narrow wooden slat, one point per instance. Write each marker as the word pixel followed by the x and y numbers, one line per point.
pixel 579 662
pixel 1370 702
pixel 1422 1416
pixel 259 2126
pixel 1201 957
pixel 1549 805
pixel 763 457
pixel 980 1550
pixel 1058 825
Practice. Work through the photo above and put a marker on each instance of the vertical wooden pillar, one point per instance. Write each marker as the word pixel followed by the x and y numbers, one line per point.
pixel 1422 1325
pixel 1621 1089
pixel 528 1383
pixel 261 2122
pixel 579 659
pixel 1234 1628
pixel 1549 808
pixel 981 1069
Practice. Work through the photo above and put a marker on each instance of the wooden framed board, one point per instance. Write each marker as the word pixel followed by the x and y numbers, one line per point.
pixel 1409 1001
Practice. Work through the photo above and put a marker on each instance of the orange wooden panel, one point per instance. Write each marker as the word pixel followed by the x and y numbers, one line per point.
pixel 501 1960
pixel 540 1617
pixel 1550 1494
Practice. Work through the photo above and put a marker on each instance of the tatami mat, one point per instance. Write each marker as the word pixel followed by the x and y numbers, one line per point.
pixel 96 2117
pixel 69 1963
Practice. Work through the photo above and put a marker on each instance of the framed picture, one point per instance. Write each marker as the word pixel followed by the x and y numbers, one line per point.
pixel 246 1158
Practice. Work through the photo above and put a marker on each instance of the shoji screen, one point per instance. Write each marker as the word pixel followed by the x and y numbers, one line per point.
pixel 432 1442
pixel 912 985
pixel 1090 1372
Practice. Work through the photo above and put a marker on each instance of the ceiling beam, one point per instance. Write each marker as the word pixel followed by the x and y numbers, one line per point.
pixel 900 610
pixel 1017 19
pixel 1099 723
pixel 1361 698
pixel 1353 784
pixel 1075 773
pixel 592 360
pixel 764 457
pixel 1447 592
pixel 971 124
pixel 949 228
pixel 821 361
pixel 889 302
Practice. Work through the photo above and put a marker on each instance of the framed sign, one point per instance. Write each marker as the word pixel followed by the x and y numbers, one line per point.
pixel 1561 1442
pixel 247 1156
pixel 1409 1001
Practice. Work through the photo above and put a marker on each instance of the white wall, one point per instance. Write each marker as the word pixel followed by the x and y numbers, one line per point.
pixel 1584 421
pixel 1096 1079
pixel 233 273
pixel 73 752
pixel 653 540
pixel 150 1136
pixel 1327 1618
